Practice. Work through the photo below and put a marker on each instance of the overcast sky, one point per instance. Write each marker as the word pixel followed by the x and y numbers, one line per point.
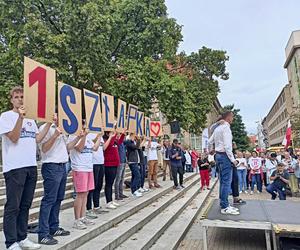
pixel 254 33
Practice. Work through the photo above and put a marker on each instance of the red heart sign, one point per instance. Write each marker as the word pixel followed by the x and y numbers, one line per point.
pixel 155 128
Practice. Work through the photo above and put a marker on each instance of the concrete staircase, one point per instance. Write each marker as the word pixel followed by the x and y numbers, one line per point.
pixel 39 191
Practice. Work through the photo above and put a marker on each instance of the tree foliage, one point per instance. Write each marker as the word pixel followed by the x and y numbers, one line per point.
pixel 126 48
pixel 238 129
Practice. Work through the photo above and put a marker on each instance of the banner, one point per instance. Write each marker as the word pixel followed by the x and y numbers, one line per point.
pixel 69 109
pixel 108 110
pixel 39 91
pixel 92 111
pixel 132 118
pixel 155 128
pixel 121 118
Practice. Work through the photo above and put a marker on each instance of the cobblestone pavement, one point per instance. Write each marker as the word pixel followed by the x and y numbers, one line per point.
pixel 226 239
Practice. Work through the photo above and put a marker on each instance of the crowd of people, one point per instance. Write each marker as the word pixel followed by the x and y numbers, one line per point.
pixel 93 158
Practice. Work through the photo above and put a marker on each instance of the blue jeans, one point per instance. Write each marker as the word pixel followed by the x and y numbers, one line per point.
pixel 143 174
pixel 242 174
pixel 225 173
pixel 256 179
pixel 272 189
pixel 135 177
pixel 188 168
pixel 213 172
pixel 55 178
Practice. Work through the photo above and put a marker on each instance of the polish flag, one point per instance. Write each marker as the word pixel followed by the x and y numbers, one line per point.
pixel 287 140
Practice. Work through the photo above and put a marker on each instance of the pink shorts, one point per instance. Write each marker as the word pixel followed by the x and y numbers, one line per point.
pixel 83 181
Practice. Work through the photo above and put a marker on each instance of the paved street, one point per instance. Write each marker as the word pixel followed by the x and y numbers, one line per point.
pixel 226 239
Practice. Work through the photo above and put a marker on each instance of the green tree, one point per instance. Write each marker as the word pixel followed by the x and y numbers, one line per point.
pixel 126 48
pixel 238 129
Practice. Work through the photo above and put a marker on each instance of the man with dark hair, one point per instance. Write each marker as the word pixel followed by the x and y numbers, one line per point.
pixel 222 139
pixel 176 164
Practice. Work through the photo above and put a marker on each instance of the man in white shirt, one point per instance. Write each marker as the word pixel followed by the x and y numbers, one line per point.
pixel 222 139
pixel 152 158
pixel 19 138
pixel 54 154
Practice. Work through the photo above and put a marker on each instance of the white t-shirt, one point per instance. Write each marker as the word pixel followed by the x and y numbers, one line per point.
pixel 82 161
pixel 20 154
pixel 98 156
pixel 211 158
pixel 152 151
pixel 58 153
pixel 255 163
pixel 188 158
pixel 242 163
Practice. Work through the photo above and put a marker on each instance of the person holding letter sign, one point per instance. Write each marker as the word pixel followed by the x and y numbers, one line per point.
pixel 19 138
pixel 54 155
pixel 81 153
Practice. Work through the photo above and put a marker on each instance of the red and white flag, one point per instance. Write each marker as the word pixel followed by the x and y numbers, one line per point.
pixel 287 140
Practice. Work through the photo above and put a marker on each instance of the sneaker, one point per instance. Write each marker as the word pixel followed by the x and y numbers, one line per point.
pixel 79 225
pixel 141 190
pixel 208 188
pixel 251 192
pixel 246 192
pixel 123 196
pixel 99 210
pixel 116 204
pixel 258 192
pixel 241 192
pixel 110 205
pixel 28 244
pixel 229 211
pixel 60 232
pixel 15 246
pixel 137 194
pixel 239 202
pixel 90 214
pixel 178 188
pixel 87 222
pixel 146 189
pixel 49 240
pixel 182 186
pixel 233 208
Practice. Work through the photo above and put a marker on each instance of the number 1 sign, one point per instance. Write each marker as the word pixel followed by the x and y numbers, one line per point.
pixel 39 90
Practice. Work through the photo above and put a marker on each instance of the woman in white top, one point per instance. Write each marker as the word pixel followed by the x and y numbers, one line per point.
pixel 81 154
pixel 242 172
pixel 256 174
pixel 271 165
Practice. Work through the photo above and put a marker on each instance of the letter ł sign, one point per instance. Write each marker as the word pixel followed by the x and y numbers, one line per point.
pixel 39 91
pixel 108 111
pixel 131 118
pixel 69 109
pixel 92 111
pixel 155 129
pixel 121 121
pixel 147 127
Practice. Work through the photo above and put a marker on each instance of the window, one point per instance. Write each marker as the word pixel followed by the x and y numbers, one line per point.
pixel 196 141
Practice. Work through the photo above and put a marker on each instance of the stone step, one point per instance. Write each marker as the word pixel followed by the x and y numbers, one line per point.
pixel 148 223
pixel 175 233
pixel 67 203
pixel 39 184
pixel 107 221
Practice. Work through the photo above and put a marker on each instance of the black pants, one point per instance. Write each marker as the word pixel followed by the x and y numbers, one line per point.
pixel 110 175
pixel 20 185
pixel 235 183
pixel 94 195
pixel 179 170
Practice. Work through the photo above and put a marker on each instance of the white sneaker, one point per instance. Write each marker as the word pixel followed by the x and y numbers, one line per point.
pixel 116 204
pixel 241 192
pixel 90 214
pixel 246 192
pixel 28 244
pixel 233 208
pixel 87 222
pixel 141 190
pixel 146 189
pixel 258 192
pixel 251 192
pixel 15 246
pixel 78 224
pixel 229 211
pixel 137 194
pixel 110 205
